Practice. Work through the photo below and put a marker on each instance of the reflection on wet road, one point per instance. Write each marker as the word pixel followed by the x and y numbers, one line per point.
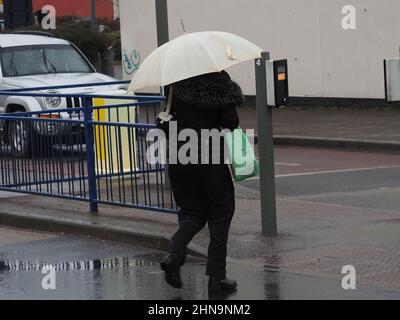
pixel 94 269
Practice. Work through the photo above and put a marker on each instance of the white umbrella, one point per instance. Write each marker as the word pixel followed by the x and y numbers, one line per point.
pixel 190 55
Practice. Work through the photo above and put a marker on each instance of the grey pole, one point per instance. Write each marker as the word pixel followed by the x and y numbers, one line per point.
pixel 162 37
pixel 93 14
pixel 266 150
pixel 162 22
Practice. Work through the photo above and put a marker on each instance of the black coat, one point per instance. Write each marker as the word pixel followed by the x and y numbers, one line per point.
pixel 207 102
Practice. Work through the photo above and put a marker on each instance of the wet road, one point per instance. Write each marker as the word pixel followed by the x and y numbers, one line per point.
pixel 88 268
pixel 360 179
pixel 94 269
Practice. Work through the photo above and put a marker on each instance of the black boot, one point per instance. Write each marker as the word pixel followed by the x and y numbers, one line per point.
pixel 3 266
pixel 219 285
pixel 171 266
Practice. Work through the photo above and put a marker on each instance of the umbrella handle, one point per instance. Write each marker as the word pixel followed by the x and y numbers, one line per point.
pixel 169 102
pixel 165 116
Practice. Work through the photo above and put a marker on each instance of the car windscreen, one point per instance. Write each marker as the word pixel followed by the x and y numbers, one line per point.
pixel 42 59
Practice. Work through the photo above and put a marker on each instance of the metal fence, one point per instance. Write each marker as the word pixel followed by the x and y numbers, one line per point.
pixel 93 150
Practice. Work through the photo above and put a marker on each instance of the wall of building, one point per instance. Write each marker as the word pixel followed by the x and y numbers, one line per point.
pixel 324 59
pixel 104 8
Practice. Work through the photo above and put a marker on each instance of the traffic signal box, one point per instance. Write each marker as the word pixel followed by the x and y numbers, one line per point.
pixel 277 83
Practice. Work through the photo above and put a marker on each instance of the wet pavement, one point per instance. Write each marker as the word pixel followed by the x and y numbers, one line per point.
pixel 88 268
pixel 334 208
pixel 374 125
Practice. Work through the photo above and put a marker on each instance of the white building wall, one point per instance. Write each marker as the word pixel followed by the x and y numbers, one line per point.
pixel 324 59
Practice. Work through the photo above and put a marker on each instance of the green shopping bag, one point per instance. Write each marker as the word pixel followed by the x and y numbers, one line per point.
pixel 242 159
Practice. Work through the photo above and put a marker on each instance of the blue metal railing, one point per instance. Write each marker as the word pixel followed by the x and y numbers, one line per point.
pixel 88 153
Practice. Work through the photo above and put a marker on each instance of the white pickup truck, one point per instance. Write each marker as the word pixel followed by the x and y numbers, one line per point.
pixel 29 61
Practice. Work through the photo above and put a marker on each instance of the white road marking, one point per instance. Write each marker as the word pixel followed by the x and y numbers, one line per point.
pixel 288 164
pixel 312 173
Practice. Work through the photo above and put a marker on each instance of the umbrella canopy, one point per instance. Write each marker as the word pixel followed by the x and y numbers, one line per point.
pixel 190 55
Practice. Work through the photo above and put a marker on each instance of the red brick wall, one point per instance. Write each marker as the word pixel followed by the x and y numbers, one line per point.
pixel 81 8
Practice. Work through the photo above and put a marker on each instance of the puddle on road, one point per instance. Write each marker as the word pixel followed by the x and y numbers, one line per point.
pixel 140 277
pixel 96 264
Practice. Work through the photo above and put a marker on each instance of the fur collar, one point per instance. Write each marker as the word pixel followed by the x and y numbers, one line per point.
pixel 208 91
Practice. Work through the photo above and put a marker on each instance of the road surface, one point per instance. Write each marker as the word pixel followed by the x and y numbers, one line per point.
pixel 94 269
pixel 88 268
pixel 360 179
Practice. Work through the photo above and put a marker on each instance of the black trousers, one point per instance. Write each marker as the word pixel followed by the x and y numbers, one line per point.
pixel 204 193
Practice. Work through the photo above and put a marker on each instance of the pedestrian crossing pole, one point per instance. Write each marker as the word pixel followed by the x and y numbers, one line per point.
pixel 266 149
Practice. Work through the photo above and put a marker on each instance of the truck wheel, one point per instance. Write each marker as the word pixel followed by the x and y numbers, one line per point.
pixel 19 137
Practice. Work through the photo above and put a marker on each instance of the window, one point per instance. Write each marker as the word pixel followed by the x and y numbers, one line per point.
pixel 43 59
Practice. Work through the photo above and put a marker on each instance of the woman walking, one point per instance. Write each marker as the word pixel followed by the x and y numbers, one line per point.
pixel 203 191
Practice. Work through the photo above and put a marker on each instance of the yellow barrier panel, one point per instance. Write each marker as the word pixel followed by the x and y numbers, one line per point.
pixel 116 147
